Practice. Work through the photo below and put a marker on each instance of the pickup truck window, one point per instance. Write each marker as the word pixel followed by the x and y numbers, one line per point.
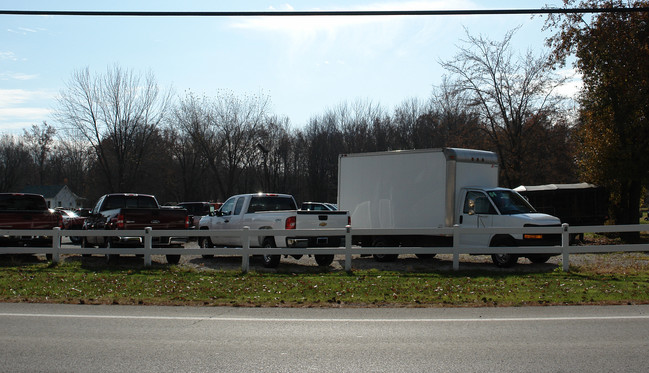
pixel 120 202
pixel 22 202
pixel 239 206
pixel 228 206
pixel 270 203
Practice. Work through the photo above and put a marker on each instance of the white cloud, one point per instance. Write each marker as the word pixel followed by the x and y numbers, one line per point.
pixel 13 97
pixel 17 76
pixel 11 56
pixel 21 108
pixel 364 34
pixel 310 24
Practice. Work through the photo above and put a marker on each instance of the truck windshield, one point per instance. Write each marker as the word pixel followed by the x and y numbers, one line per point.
pixel 510 203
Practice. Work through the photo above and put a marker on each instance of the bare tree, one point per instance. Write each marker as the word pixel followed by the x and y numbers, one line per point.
pixel 226 129
pixel 39 142
pixel 506 91
pixel 14 162
pixel 70 163
pixel 116 113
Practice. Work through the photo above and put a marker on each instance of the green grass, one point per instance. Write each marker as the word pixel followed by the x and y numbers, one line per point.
pixel 172 285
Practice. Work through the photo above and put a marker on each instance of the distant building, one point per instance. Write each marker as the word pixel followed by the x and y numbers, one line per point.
pixel 56 195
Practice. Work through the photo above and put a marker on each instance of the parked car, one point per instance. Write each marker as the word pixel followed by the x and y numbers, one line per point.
pixel 72 220
pixel 26 211
pixel 197 210
pixel 318 206
pixel 264 211
pixel 128 211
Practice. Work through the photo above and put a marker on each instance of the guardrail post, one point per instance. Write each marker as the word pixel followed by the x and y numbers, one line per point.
pixel 56 245
pixel 565 246
pixel 148 246
pixel 245 250
pixel 348 249
pixel 456 247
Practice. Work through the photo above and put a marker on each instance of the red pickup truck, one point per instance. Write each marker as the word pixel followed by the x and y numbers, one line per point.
pixel 127 211
pixel 26 211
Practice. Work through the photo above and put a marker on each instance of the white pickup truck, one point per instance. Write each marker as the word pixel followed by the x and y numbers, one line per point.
pixel 273 211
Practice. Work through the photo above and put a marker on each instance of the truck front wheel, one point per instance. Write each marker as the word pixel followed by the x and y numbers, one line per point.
pixel 173 259
pixel 206 243
pixel 538 258
pixel 270 261
pixel 324 260
pixel 504 260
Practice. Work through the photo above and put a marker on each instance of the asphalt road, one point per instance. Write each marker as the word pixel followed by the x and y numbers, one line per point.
pixel 76 338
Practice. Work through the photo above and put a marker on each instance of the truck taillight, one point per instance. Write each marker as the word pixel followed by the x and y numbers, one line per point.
pixel 187 222
pixel 120 221
pixel 349 220
pixel 290 222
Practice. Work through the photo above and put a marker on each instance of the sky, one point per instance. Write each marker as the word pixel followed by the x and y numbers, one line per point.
pixel 306 65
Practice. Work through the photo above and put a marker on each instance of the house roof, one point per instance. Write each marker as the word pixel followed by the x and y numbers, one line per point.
pixel 47 191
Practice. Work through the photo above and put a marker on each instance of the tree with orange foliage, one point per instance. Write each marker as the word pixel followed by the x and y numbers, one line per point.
pixel 612 55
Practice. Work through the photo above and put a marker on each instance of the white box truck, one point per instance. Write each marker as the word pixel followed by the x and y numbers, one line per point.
pixel 437 188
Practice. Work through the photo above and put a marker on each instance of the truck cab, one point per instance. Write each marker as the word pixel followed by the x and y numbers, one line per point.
pixel 500 207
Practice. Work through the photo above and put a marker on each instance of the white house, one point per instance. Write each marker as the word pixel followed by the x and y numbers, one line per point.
pixel 56 195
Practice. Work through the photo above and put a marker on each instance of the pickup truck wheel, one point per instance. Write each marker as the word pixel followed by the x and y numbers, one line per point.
pixel 111 258
pixel 270 261
pixel 538 258
pixel 206 243
pixel 84 245
pixel 173 258
pixel 324 260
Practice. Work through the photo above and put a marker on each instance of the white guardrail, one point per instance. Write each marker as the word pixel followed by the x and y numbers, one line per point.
pixel 248 236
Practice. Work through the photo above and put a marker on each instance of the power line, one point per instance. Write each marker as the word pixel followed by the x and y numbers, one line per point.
pixel 111 13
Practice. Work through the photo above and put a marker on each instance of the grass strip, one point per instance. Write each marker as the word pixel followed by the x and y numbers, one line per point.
pixel 172 285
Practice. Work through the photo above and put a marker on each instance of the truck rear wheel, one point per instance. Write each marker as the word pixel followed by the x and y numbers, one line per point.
pixel 270 261
pixel 324 260
pixel 382 242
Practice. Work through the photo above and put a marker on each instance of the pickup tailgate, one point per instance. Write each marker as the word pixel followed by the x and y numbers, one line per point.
pixel 321 219
pixel 158 219
pixel 28 220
